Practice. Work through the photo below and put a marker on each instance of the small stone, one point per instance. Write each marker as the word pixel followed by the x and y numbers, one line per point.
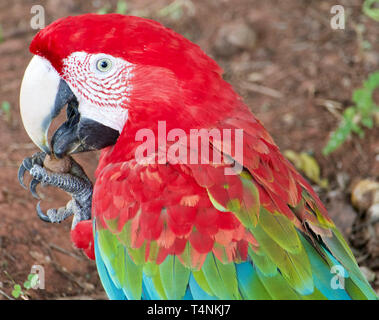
pixel 87 286
pixel 343 180
pixel 255 77
pixel 363 194
pixel 373 212
pixel 234 37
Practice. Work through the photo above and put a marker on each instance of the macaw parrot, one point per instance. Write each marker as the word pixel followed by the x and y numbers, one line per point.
pixel 163 226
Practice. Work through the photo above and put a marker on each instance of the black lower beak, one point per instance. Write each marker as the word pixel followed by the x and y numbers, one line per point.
pixel 79 134
pixel 65 140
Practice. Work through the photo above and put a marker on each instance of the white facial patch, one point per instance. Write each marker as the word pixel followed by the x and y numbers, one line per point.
pixel 101 83
pixel 114 118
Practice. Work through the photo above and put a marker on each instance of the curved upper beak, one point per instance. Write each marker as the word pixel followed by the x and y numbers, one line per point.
pixel 43 94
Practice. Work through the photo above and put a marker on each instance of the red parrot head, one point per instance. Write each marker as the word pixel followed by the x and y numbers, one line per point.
pixel 116 74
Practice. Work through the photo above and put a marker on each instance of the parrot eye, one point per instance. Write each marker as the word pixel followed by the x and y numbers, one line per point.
pixel 104 65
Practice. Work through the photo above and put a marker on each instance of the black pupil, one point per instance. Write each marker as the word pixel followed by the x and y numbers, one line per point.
pixel 104 64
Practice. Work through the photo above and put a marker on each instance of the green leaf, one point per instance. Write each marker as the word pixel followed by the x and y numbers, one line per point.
pixel 368 122
pixel 16 292
pixel 27 285
pixel 356 117
pixel 369 10
pixel 349 113
pixel 6 107
pixel 373 81
pixel 122 7
pixel 6 110
pixel 308 165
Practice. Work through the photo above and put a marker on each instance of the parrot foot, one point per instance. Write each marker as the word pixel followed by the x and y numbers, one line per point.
pixel 56 215
pixel 75 182
pixel 26 165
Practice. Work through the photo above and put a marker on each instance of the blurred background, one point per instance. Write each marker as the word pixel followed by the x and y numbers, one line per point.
pixel 314 87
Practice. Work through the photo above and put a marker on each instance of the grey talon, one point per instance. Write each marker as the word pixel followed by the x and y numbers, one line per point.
pixel 21 174
pixel 27 163
pixel 40 213
pixel 33 185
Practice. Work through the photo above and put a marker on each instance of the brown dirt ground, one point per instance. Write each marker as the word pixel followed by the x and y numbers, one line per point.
pixel 296 55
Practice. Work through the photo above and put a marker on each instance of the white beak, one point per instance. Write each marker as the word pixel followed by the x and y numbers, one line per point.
pixel 38 95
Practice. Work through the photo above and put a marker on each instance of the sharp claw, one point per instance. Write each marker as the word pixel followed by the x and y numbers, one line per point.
pixel 27 163
pixel 33 185
pixel 40 213
pixel 21 173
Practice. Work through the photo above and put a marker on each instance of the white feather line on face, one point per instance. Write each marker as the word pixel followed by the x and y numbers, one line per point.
pixel 101 97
